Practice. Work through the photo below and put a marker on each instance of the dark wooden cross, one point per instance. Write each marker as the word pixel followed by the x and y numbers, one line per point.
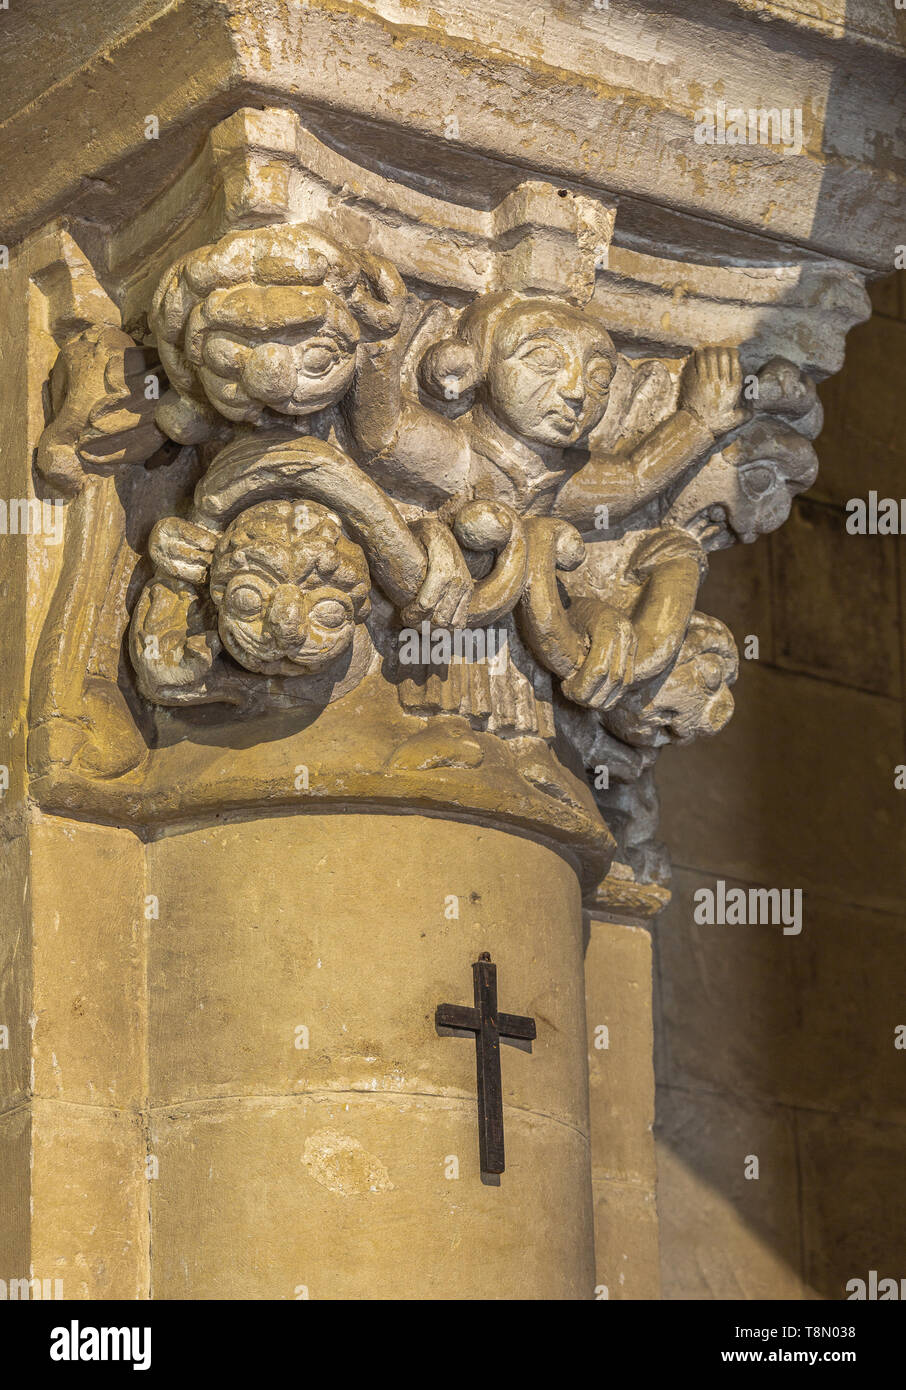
pixel 489 1027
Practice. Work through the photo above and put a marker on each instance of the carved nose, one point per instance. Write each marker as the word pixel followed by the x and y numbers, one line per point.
pixel 571 388
pixel 272 367
pixel 284 616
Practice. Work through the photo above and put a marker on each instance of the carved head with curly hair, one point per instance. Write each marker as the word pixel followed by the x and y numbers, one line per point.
pixel 289 588
pixel 266 319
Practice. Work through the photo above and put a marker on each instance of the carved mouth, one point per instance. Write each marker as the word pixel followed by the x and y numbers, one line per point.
pixel 316 646
pixel 303 653
pixel 562 420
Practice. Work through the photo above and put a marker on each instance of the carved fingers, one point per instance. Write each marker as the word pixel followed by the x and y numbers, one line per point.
pixel 101 416
pixel 172 649
pixel 181 549
pixel 589 645
pixel 711 389
pixel 443 599
pixel 599 652
pixel 608 668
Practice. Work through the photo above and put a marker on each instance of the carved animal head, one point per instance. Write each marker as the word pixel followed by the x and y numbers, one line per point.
pixel 101 416
pixel 289 588
pixel 541 368
pixel 746 489
pixel 266 319
pixel 692 700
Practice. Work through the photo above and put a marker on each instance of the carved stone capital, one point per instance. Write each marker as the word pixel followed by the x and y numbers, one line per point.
pixel 405 500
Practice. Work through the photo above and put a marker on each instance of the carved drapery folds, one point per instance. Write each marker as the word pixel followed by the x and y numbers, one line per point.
pixel 438 502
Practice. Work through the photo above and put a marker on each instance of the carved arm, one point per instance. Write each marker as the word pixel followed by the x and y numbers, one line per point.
pixel 709 406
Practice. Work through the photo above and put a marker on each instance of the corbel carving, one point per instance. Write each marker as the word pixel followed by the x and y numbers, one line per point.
pixel 366 451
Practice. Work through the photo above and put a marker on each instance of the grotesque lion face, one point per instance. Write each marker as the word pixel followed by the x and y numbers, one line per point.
pixel 289 349
pixel 267 319
pixel 289 588
pixel 694 699
pixel 747 488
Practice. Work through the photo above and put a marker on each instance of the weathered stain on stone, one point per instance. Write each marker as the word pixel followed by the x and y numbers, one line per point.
pixel 340 1164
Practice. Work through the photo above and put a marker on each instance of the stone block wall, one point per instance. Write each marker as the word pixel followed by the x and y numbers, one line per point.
pixel 782 1046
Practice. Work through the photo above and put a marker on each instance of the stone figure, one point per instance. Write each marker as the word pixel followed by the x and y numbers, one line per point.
pixel 101 417
pixel 282 596
pixel 264 324
pixel 368 464
pixel 692 700
pixel 746 488
pixel 536 374
pixel 288 587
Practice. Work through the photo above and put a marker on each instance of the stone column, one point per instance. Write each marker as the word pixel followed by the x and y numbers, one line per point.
pixel 348 1167
pixel 359 470
pixel 621 1093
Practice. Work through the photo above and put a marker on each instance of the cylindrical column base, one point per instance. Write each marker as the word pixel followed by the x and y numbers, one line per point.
pixel 314 1136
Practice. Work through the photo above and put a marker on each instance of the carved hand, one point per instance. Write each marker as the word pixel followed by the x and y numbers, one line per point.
pixel 443 598
pixel 711 386
pixel 101 417
pixel 186 661
pixel 181 549
pixel 608 669
pixel 171 649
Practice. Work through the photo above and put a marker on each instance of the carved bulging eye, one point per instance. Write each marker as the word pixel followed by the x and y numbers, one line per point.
pixel 319 358
pixel 711 673
pixel 245 600
pixel 757 480
pixel 329 612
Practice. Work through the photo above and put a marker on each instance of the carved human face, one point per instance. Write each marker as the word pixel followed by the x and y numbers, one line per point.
pixel 286 348
pixel 549 372
pixel 692 702
pixel 289 588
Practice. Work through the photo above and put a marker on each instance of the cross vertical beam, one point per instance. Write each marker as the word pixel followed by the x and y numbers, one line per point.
pixel 487 1056
pixel 489 1027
